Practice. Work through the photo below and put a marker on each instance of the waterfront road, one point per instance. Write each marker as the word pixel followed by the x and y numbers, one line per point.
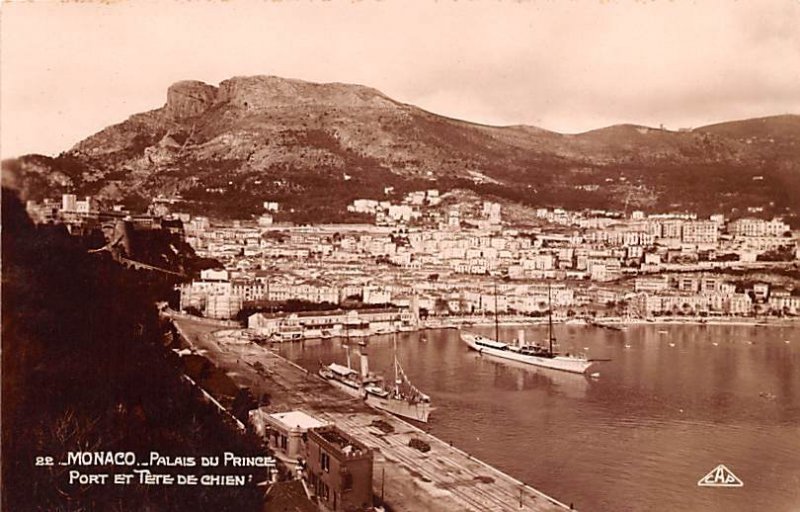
pixel 444 478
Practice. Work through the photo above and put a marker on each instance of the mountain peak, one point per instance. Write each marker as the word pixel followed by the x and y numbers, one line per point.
pixel 189 98
pixel 266 92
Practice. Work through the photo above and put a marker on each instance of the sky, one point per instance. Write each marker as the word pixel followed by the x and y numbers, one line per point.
pixel 68 69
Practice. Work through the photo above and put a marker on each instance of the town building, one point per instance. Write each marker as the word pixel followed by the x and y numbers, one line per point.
pixel 758 227
pixel 700 232
pixel 68 203
pixel 339 469
pixel 289 495
pixel 334 323
pixel 285 432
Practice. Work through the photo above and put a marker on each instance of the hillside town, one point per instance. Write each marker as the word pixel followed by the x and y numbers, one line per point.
pixel 434 258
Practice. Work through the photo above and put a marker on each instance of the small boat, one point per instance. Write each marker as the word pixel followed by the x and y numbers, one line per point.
pixel 286 336
pixel 607 325
pixel 595 375
pixel 671 344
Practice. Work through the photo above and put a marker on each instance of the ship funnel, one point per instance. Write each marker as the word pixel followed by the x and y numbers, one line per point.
pixel 521 337
pixel 364 365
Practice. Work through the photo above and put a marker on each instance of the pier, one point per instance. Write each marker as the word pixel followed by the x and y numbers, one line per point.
pixel 444 478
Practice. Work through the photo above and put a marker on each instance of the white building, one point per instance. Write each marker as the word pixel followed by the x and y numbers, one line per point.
pixel 376 295
pixel 758 227
pixel 68 203
pixel 700 232
pixel 83 207
pixel 400 212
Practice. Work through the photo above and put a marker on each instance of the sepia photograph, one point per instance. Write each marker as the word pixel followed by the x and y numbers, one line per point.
pixel 400 256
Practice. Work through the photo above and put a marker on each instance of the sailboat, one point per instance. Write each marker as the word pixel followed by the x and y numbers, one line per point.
pixel 401 399
pixel 544 356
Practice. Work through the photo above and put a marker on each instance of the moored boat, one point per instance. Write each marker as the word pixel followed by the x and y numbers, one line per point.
pixel 402 399
pixel 535 355
pixel 544 356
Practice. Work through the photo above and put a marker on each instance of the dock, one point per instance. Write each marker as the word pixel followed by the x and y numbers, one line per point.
pixel 444 478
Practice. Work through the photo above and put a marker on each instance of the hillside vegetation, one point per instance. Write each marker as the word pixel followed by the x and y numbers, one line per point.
pixel 86 368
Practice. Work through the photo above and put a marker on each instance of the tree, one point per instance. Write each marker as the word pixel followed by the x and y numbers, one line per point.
pixel 441 307
pixel 727 257
pixel 243 403
pixel 110 383
pixel 782 253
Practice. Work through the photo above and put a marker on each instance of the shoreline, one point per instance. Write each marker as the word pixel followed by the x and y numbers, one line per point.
pixel 611 322
pixel 446 478
pixel 618 321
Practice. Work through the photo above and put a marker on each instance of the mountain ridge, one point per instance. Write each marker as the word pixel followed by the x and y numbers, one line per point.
pixel 268 138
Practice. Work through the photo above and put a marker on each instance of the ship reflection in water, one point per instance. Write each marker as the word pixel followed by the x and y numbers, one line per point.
pixel 513 375
pixel 668 408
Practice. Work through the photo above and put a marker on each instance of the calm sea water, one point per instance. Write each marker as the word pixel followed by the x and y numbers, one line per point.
pixel 674 402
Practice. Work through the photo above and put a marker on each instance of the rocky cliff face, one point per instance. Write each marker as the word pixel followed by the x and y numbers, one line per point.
pixel 269 92
pixel 317 146
pixel 189 99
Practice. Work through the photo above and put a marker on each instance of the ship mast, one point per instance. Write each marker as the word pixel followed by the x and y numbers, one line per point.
pixel 496 325
pixel 396 364
pixel 550 318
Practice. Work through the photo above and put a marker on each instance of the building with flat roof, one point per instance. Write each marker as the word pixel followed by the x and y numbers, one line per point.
pixel 336 321
pixel 285 432
pixel 339 470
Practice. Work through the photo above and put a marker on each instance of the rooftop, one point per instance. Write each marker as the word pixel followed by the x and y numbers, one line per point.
pixel 298 419
pixel 289 496
pixel 340 442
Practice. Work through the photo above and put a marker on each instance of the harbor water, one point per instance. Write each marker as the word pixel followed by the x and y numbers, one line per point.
pixel 674 402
